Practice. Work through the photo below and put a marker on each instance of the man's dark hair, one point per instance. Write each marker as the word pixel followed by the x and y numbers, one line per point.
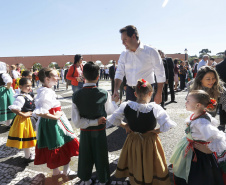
pixel 130 30
pixel 26 73
pixel 91 71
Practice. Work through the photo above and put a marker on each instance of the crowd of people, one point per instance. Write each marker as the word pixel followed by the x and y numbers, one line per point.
pixel 145 74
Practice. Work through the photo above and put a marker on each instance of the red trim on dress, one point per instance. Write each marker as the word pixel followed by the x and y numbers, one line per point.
pixel 57 157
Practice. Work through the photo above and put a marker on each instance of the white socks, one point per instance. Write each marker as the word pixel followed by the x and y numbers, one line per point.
pixel 27 152
pixel 56 171
pixel 66 169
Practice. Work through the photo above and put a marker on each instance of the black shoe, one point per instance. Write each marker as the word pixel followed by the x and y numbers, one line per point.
pixel 221 127
pixel 173 101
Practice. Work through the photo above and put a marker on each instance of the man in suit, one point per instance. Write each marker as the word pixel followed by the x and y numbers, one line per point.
pixel 171 78
pixel 220 68
pixel 112 70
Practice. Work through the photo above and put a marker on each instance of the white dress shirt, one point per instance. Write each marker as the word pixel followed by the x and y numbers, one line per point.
pixel 202 63
pixel 144 63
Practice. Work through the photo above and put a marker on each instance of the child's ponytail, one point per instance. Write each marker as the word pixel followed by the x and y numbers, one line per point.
pixel 143 87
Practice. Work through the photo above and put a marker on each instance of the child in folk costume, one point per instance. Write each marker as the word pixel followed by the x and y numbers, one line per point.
pixel 21 133
pixel 142 157
pixel 89 109
pixel 192 165
pixel 6 96
pixel 56 141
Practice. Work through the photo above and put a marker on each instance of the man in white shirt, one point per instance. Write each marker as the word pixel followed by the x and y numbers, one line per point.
pixel 203 62
pixel 138 61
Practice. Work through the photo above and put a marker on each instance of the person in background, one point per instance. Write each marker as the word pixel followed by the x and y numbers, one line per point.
pixel 75 73
pixel 112 70
pixel 36 77
pixel 62 74
pixel 212 62
pixel 65 75
pixel 15 76
pixel 220 68
pixel 183 72
pixel 6 95
pixel 195 67
pixel 176 74
pixel 203 62
pixel 106 73
pixel 101 73
pixel 171 78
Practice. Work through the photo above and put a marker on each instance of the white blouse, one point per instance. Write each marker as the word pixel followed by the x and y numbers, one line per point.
pixel 45 100
pixel 160 114
pixel 19 102
pixel 205 130
pixel 15 74
pixel 6 78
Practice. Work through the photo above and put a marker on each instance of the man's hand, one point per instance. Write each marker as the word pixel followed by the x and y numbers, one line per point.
pixel 115 98
pixel 101 120
pixel 158 98
pixel 116 94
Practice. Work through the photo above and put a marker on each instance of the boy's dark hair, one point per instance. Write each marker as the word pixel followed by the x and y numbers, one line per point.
pixel 26 73
pixel 91 71
pixel 23 81
pixel 143 87
pixel 130 30
pixel 201 97
pixel 196 59
pixel 43 73
pixel 77 58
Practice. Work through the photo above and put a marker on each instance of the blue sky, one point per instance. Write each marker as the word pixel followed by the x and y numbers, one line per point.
pixel 56 27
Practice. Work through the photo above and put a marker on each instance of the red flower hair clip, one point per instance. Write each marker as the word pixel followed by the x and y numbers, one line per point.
pixel 211 104
pixel 142 81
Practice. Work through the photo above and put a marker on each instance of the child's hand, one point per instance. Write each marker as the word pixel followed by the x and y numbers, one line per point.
pixel 27 114
pixel 203 148
pixel 115 98
pixel 101 120
pixel 57 114
pixel 126 127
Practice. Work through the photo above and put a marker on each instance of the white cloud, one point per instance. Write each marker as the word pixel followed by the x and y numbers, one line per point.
pixel 165 3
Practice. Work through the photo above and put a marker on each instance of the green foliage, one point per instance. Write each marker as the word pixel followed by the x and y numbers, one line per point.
pixel 37 66
pixel 54 64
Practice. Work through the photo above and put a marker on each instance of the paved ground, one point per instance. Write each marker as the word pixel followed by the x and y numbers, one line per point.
pixel 13 169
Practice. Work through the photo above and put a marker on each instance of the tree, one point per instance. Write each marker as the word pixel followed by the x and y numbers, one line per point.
pixel 37 66
pixel 204 52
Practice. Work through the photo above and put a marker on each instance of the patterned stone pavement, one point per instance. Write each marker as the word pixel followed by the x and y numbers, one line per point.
pixel 15 171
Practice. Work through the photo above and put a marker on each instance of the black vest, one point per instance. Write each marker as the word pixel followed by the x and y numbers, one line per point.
pixel 29 105
pixel 91 103
pixel 143 123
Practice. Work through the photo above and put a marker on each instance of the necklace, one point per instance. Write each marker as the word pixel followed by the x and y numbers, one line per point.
pixel 197 116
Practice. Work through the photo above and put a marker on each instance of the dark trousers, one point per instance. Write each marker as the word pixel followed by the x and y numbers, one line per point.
pixel 182 81
pixel 93 150
pixel 130 93
pixel 171 87
pixel 222 115
pixel 112 85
